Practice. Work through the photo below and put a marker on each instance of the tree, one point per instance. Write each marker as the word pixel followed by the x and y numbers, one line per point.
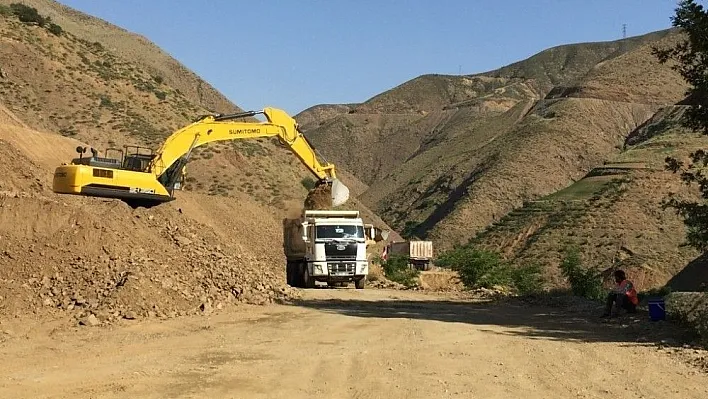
pixel 691 61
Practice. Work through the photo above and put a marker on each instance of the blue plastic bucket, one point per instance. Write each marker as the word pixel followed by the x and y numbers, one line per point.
pixel 657 310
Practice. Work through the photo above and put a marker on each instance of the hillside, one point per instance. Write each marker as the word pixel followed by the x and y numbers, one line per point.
pixel 139 50
pixel 614 214
pixel 444 156
pixel 94 84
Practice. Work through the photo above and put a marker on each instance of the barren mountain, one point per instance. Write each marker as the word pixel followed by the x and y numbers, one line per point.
pixel 86 82
pixel 135 48
pixel 444 156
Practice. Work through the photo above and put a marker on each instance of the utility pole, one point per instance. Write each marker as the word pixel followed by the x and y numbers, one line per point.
pixel 624 31
pixel 459 70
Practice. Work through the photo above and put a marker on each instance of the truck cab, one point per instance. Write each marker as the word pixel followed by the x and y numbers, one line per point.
pixel 330 247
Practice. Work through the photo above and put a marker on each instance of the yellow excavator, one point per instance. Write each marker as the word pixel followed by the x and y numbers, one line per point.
pixel 143 178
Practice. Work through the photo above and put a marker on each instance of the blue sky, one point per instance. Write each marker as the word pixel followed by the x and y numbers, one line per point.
pixel 293 54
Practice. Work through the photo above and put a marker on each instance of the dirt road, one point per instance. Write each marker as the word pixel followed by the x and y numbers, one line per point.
pixel 346 344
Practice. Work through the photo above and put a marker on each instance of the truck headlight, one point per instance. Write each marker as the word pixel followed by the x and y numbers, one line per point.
pixel 318 269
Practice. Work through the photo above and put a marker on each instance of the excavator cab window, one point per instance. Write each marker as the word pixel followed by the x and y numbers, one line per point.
pixel 118 157
pixel 137 158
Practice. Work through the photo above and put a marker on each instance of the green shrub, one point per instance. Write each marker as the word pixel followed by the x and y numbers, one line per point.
pixel 527 279
pixel 5 11
pixel 161 95
pixel 28 14
pixel 67 131
pixel 106 101
pixel 308 183
pixel 586 283
pixel 55 29
pixel 396 269
pixel 479 268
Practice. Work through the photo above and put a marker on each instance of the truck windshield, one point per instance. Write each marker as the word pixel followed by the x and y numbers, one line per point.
pixel 340 232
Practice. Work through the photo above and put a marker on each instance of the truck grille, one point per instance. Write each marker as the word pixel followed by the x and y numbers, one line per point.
pixel 339 269
pixel 341 258
pixel 333 249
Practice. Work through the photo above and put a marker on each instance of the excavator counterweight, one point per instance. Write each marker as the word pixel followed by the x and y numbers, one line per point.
pixel 146 179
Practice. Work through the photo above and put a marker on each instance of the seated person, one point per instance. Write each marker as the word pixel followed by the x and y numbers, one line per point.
pixel 624 296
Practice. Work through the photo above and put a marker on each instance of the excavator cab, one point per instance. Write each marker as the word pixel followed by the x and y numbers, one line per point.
pixel 137 158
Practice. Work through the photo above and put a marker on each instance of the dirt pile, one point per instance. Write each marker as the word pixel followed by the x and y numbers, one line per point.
pixel 105 259
pixel 100 260
pixel 440 280
pixel 690 308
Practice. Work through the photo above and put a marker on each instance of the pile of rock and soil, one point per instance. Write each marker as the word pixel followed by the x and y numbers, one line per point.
pixel 105 261
pixel 691 310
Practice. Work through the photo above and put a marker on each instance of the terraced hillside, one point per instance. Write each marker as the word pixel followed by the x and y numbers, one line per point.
pixel 444 156
pixel 614 214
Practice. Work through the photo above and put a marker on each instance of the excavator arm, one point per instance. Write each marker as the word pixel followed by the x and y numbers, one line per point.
pixel 209 129
pixel 168 163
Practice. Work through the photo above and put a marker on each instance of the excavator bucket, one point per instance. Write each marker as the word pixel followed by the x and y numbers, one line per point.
pixel 340 193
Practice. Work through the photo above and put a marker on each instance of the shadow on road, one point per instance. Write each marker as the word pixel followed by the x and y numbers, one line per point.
pixel 519 317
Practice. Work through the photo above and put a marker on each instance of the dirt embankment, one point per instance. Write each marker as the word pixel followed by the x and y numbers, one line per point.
pixel 100 260
pixel 104 260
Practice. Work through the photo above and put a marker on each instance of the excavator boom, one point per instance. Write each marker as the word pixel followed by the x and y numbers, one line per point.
pixel 153 178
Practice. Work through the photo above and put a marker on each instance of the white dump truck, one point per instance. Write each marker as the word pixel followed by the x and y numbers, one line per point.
pixel 419 253
pixel 326 246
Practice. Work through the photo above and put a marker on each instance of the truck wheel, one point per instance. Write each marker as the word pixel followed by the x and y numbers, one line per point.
pixel 426 266
pixel 308 281
pixel 291 274
pixel 360 283
pixel 297 271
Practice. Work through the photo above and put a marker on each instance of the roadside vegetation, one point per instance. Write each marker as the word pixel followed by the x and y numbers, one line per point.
pixel 396 268
pixel 480 268
pixel 584 282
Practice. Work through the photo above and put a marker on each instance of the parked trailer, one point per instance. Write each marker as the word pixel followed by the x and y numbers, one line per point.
pixel 419 253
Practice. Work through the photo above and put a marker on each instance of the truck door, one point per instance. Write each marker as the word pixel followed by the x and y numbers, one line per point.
pixel 311 242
